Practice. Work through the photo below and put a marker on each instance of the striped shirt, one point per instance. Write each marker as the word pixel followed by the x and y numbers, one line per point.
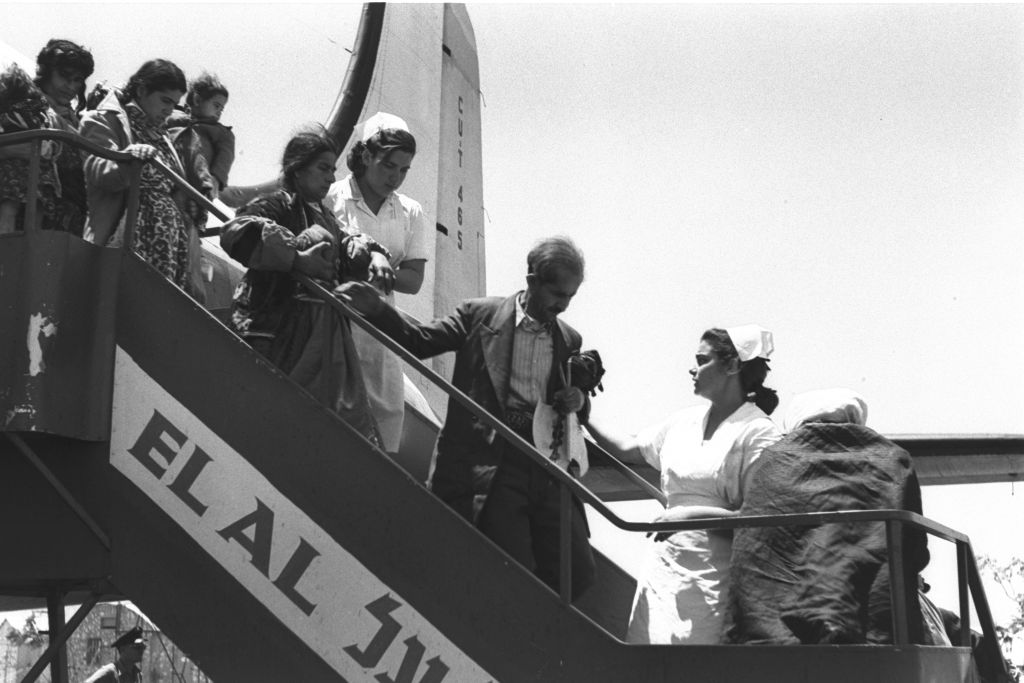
pixel 532 351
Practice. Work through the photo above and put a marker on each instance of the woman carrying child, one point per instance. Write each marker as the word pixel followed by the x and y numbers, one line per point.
pixel 133 120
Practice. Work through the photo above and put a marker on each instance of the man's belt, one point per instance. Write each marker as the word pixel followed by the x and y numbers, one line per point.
pixel 520 422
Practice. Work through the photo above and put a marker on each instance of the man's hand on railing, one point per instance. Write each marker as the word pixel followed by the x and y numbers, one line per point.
pixel 316 261
pixel 361 296
pixel 381 272
pixel 140 151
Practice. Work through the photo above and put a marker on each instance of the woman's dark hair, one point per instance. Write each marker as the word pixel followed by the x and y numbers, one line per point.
pixel 549 256
pixel 753 372
pixel 386 140
pixel 300 152
pixel 203 88
pixel 21 99
pixel 63 55
pixel 156 74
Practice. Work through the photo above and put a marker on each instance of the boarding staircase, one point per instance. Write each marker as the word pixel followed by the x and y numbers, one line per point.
pixel 149 453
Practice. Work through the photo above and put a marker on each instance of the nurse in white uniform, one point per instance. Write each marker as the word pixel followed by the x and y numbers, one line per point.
pixel 705 455
pixel 367 200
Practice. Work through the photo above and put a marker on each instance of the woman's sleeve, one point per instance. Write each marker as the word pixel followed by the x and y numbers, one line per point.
pixel 759 435
pixel 416 241
pixel 256 239
pixel 51 149
pixel 105 174
pixel 364 240
pixel 197 170
pixel 651 439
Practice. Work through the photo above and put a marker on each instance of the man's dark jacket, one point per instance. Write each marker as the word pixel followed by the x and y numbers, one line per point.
pixel 480 332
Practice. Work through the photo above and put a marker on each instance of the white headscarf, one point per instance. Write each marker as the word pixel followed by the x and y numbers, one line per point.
pixel 826 405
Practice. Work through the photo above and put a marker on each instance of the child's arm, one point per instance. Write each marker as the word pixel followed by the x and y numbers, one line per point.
pixel 223 155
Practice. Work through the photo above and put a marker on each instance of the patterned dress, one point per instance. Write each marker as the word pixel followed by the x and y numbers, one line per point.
pixel 70 210
pixel 14 171
pixel 162 231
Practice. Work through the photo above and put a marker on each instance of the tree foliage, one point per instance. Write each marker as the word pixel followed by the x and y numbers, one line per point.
pixel 1009 575
pixel 29 635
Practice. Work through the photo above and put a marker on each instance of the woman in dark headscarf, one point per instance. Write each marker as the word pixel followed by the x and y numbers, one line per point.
pixel 133 120
pixel 291 231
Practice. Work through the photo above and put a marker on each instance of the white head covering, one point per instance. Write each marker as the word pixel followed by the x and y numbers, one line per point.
pixel 378 122
pixel 826 405
pixel 751 341
pixel 573 445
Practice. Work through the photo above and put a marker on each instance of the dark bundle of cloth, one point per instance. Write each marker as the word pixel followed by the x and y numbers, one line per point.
pixel 586 370
pixel 825 584
pixel 22 105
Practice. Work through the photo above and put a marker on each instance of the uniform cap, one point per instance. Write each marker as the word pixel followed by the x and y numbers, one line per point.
pixel 751 341
pixel 134 636
pixel 381 121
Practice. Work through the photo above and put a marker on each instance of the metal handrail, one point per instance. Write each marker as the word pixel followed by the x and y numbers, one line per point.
pixel 588 496
pixel 894 519
pixel 968 576
pixel 318 290
pixel 76 140
pixel 631 474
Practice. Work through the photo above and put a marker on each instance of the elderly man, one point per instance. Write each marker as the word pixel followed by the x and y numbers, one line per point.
pixel 510 357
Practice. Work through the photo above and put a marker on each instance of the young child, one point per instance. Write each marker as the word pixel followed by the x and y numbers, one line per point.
pixel 23 106
pixel 205 103
pixel 207 150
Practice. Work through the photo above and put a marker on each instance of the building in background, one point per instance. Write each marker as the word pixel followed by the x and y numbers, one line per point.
pixel 89 647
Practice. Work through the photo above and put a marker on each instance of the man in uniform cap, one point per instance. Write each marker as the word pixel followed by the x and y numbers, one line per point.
pixel 125 669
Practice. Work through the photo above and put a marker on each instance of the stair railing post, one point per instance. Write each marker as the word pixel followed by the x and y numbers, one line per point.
pixel 32 198
pixel 131 209
pixel 328 392
pixel 897 588
pixel 965 595
pixel 57 644
pixel 55 616
pixel 565 545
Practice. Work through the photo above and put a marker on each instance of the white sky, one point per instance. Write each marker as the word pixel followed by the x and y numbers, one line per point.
pixel 849 176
